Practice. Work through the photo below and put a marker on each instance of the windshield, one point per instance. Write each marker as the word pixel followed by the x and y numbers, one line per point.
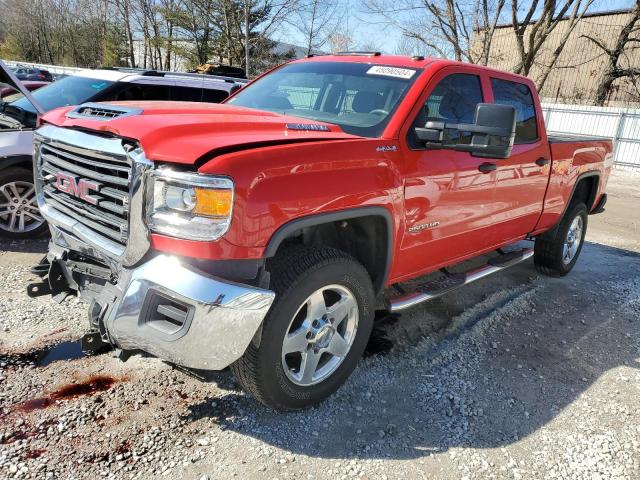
pixel 72 90
pixel 20 113
pixel 358 97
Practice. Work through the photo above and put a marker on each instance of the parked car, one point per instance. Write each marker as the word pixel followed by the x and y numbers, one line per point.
pixel 260 234
pixel 9 94
pixel 33 73
pixel 18 118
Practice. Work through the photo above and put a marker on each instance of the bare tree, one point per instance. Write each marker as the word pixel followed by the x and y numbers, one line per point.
pixel 443 27
pixel 124 9
pixel 341 39
pixel 315 20
pixel 615 71
pixel 532 34
pixel 579 9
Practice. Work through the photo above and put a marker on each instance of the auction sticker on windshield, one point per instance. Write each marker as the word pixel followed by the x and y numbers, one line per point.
pixel 405 73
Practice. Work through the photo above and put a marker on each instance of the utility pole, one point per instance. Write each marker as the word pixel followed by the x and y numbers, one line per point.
pixel 247 12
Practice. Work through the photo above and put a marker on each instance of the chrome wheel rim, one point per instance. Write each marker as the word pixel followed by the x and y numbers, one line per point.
pixel 18 207
pixel 320 335
pixel 572 243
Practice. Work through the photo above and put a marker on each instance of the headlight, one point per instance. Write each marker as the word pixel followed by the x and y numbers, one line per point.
pixel 191 205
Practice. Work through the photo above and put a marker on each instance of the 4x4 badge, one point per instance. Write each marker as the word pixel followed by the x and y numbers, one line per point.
pixel 386 148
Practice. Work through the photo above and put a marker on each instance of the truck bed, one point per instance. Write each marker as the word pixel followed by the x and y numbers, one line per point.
pixel 569 137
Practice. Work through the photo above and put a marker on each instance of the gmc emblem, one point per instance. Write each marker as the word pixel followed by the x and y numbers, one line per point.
pixel 77 188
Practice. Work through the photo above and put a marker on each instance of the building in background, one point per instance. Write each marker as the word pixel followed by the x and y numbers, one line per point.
pixel 580 67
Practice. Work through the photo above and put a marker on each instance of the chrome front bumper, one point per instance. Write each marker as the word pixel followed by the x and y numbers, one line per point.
pixel 222 318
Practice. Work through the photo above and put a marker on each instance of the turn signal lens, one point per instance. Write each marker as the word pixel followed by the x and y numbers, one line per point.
pixel 213 202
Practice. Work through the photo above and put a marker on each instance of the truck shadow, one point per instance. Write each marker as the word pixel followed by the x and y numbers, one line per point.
pixel 32 245
pixel 518 352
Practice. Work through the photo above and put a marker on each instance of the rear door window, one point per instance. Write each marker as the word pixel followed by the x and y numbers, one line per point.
pixel 519 96
pixel 137 92
pixel 214 96
pixel 197 94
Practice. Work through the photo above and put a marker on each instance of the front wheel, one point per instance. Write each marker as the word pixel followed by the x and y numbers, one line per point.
pixel 19 214
pixel 315 333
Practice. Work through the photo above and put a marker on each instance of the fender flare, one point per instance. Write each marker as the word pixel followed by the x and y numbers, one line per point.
pixel 285 230
pixel 592 195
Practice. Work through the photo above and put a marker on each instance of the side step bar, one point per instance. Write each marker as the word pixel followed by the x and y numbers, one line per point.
pixel 451 282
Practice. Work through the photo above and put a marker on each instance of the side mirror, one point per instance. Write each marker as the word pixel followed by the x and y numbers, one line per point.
pixel 493 132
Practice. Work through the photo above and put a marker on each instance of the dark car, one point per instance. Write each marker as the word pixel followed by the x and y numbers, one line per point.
pixel 32 73
pixel 9 94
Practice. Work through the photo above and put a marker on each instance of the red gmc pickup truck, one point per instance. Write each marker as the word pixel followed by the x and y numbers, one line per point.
pixel 261 234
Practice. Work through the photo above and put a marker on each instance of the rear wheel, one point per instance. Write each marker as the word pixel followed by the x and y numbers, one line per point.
pixel 315 333
pixel 19 214
pixel 556 252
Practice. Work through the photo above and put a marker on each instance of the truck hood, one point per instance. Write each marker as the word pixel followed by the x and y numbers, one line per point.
pixel 185 132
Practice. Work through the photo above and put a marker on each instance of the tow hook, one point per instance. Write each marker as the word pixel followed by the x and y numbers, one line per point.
pixel 53 282
pixel 38 289
pixel 92 343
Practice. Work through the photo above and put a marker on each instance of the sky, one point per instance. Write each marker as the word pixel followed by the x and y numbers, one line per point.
pixel 370 30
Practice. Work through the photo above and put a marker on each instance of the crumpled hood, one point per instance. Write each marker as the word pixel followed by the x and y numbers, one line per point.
pixel 183 132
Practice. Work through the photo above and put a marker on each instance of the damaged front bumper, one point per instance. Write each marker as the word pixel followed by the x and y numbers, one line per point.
pixel 170 309
pixel 139 300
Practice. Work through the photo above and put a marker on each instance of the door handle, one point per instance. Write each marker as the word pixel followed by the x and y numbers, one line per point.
pixel 487 167
pixel 541 162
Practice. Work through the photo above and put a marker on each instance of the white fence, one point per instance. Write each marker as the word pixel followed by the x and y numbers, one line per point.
pixel 620 124
pixel 54 69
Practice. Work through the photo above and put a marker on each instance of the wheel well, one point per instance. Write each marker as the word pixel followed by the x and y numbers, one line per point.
pixel 586 190
pixel 366 238
pixel 18 161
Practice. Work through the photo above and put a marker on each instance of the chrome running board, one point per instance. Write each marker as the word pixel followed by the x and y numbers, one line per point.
pixel 451 282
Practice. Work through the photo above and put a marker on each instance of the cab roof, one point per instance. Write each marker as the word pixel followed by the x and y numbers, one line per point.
pixel 403 61
pixel 372 58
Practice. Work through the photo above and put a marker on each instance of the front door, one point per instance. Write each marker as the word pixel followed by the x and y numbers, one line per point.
pixel 449 201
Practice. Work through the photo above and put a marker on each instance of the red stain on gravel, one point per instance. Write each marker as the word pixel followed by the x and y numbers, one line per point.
pixel 55 332
pixel 36 453
pixel 94 384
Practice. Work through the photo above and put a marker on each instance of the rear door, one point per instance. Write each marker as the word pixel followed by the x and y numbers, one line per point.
pixel 521 179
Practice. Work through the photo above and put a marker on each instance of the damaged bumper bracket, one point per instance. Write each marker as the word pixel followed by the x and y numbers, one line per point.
pixel 179 313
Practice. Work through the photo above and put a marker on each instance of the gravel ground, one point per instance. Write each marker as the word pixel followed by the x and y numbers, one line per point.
pixel 515 377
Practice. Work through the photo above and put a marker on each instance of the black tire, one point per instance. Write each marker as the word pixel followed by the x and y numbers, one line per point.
pixel 21 176
pixel 549 256
pixel 295 274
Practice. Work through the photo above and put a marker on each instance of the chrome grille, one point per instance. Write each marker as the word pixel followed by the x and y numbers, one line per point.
pixel 105 209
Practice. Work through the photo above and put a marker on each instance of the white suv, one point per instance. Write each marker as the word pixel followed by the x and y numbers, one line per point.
pixel 19 216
